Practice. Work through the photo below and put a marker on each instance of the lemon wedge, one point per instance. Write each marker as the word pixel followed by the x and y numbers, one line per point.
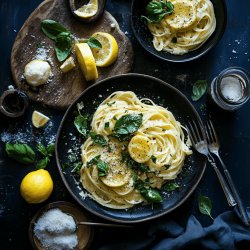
pixel 140 148
pixel 109 51
pixel 87 10
pixel 39 119
pixel 86 60
pixel 37 72
pixel 184 16
pixel 68 65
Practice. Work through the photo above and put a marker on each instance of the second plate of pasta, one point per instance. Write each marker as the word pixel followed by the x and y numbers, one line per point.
pixel 123 145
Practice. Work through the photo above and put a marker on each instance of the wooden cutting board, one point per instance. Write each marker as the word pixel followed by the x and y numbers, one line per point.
pixel 63 88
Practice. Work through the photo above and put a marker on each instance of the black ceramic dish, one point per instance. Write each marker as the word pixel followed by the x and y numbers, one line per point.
pixel 69 141
pixel 145 38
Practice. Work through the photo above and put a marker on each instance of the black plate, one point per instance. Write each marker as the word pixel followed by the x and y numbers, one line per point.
pixel 69 141
pixel 145 38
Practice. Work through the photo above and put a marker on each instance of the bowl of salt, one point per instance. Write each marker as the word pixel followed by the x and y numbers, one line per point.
pixel 55 227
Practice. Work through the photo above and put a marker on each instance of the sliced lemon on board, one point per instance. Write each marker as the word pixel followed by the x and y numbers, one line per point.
pixel 36 186
pixel 109 51
pixel 68 65
pixel 86 60
pixel 183 17
pixel 140 148
pixel 87 10
pixel 39 119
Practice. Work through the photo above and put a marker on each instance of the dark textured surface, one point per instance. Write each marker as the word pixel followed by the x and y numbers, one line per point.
pixel 233 128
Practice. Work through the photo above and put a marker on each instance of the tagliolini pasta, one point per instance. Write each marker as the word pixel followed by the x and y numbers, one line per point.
pixel 187 28
pixel 158 144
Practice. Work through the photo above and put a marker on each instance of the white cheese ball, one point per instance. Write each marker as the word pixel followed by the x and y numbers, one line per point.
pixel 37 72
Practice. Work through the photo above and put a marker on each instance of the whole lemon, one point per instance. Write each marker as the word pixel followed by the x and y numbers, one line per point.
pixel 36 186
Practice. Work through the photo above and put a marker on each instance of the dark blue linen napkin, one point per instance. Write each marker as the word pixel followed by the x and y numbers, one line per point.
pixel 226 232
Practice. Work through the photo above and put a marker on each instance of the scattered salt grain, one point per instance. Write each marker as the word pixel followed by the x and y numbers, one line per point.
pixel 56 230
pixel 234 51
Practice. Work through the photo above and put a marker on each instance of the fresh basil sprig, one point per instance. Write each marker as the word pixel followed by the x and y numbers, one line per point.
pixel 148 193
pixel 199 89
pixel 47 152
pixel 155 11
pixel 22 153
pixel 205 205
pixel 126 126
pixel 62 37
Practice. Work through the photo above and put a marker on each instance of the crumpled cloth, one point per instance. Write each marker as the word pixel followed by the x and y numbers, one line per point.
pixel 226 232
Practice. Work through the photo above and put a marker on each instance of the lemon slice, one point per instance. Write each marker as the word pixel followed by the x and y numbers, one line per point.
pixel 140 148
pixel 184 16
pixel 118 173
pixel 109 51
pixel 68 65
pixel 39 119
pixel 88 10
pixel 86 60
pixel 37 72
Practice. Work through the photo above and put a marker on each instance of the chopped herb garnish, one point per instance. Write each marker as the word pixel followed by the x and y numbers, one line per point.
pixel 81 124
pixel 93 161
pixel 110 103
pixel 77 167
pixel 153 158
pixel 133 164
pixel 106 125
pixel 102 166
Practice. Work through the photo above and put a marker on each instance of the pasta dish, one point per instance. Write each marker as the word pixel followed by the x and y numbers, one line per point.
pixel 134 148
pixel 190 24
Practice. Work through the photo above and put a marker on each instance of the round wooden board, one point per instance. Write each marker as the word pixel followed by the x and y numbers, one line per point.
pixel 63 88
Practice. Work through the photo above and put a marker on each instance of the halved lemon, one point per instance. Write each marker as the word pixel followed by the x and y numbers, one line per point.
pixel 68 65
pixel 86 60
pixel 109 51
pixel 184 16
pixel 39 119
pixel 87 10
pixel 140 148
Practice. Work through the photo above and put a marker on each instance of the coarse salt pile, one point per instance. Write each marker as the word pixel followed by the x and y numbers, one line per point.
pixel 56 230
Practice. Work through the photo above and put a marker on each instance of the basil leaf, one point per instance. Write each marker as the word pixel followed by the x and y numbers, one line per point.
pixel 151 195
pixel 128 124
pixel 171 186
pixel 43 163
pixel 52 28
pixel 51 149
pixel 81 124
pixel 94 43
pixel 205 205
pixel 63 45
pixel 199 89
pixel 122 137
pixel 153 158
pixel 143 168
pixel 93 161
pixel 106 125
pixel 155 11
pixel 98 139
pixel 102 168
pixel 20 152
pixel 42 149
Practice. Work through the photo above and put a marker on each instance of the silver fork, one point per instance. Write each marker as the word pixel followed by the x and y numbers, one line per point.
pixel 214 146
pixel 199 142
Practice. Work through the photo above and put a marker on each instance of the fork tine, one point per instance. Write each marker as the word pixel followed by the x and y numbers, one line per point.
pixel 213 131
pixel 193 135
pixel 200 137
pixel 209 133
pixel 190 134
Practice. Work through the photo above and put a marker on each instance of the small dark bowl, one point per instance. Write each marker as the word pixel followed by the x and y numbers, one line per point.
pixel 144 36
pixel 84 233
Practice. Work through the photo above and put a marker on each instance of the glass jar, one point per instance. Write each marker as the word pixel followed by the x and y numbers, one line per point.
pixel 230 89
